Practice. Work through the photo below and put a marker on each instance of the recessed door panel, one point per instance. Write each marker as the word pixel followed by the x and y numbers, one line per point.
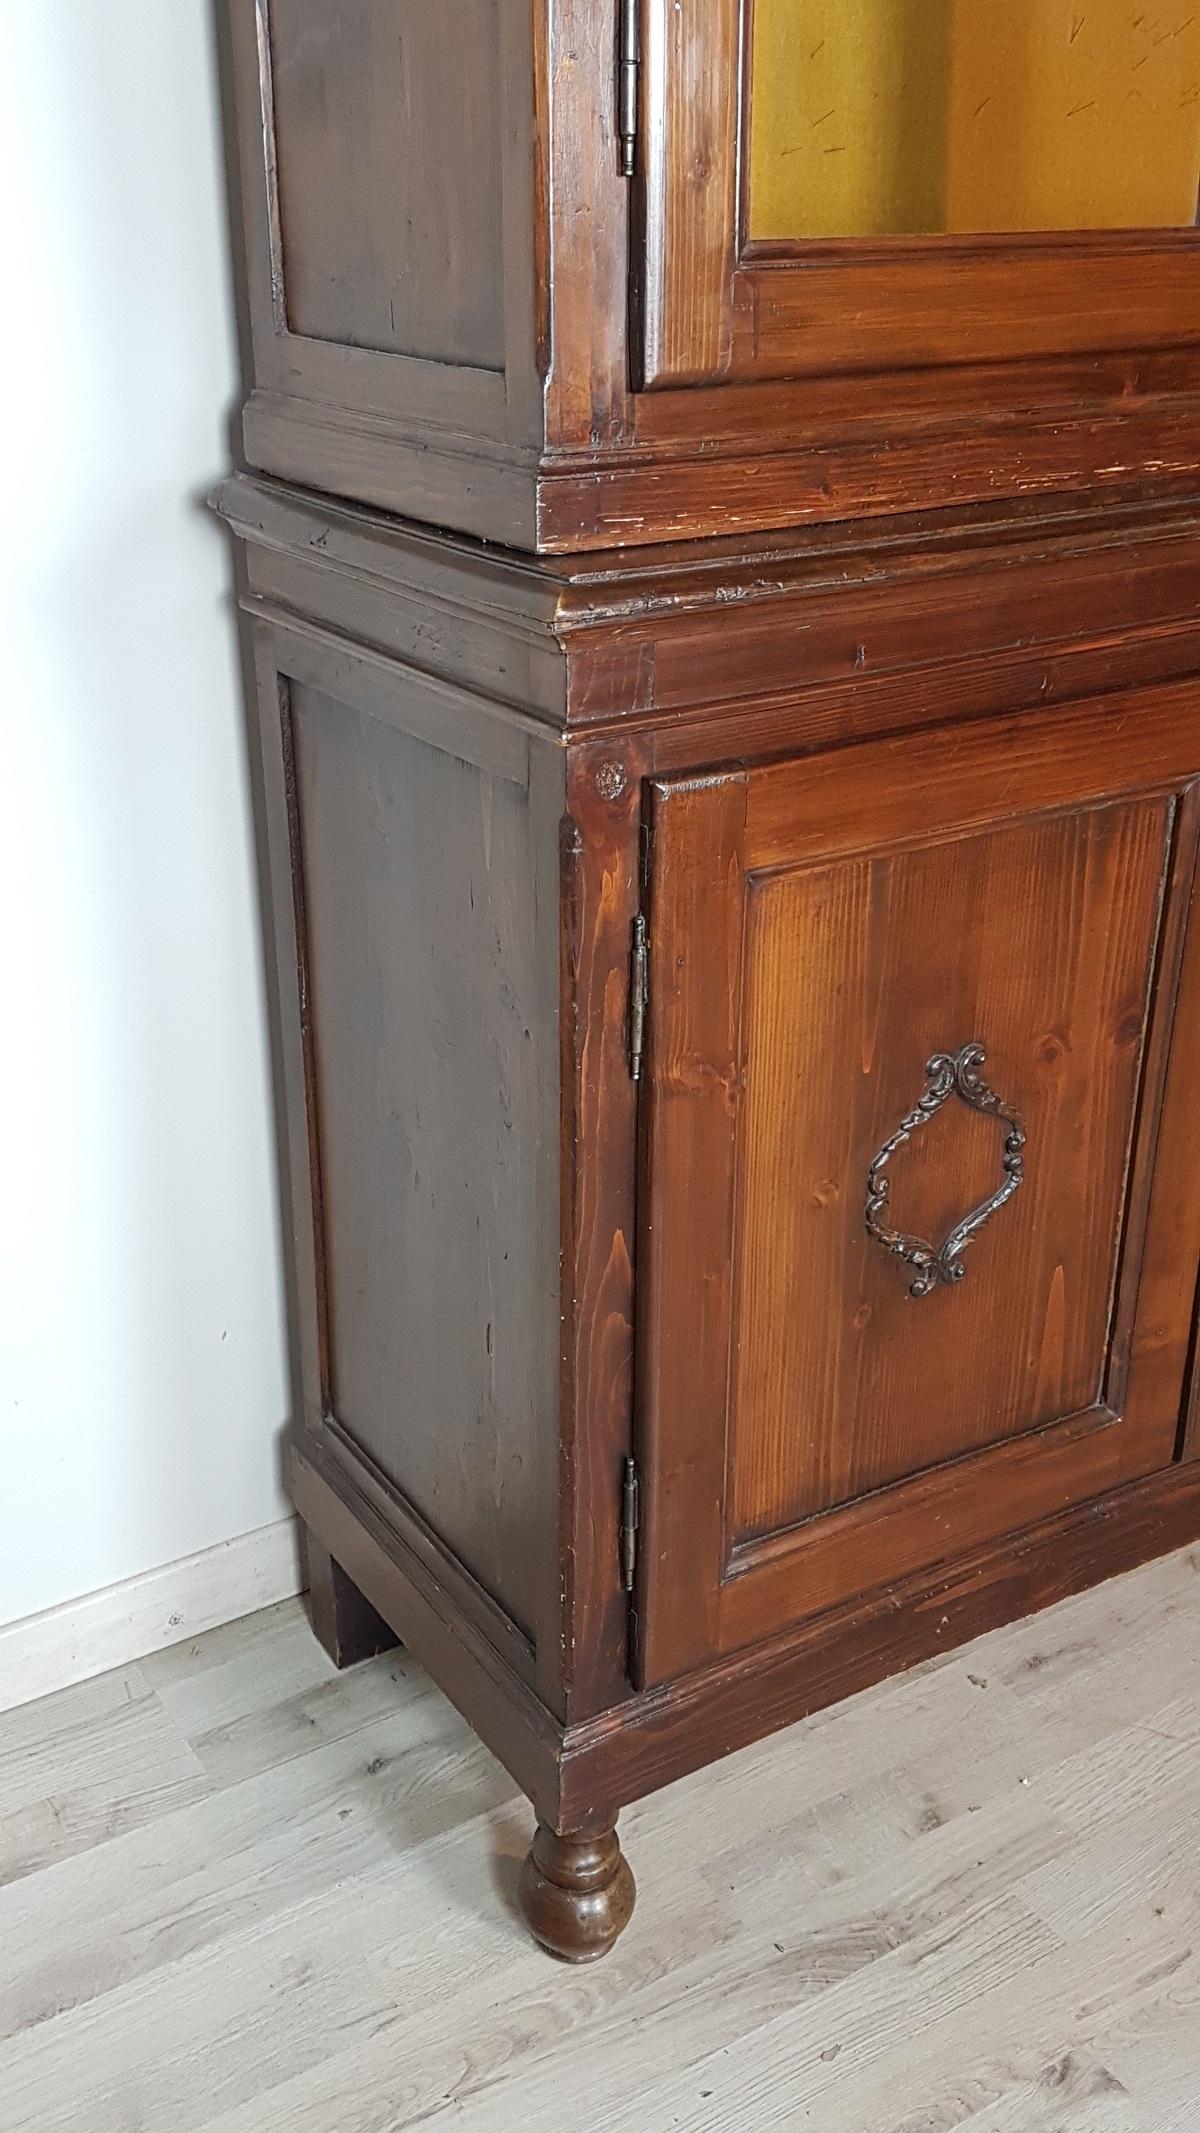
pixel 855 974
pixel 909 1279
pixel 390 223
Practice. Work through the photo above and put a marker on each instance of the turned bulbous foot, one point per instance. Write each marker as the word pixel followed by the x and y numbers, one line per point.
pixel 577 1893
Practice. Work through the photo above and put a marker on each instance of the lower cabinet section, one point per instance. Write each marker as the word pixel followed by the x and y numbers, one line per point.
pixel 921 1211
pixel 744 1158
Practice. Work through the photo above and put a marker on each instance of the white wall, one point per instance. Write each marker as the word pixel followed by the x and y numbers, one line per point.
pixel 142 1374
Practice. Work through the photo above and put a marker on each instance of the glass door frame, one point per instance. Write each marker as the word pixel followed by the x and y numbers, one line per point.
pixel 711 306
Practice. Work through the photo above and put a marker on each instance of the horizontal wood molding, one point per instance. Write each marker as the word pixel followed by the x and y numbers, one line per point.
pixel 383 463
pixel 498 1702
pixel 1011 766
pixel 702 494
pixel 1062 1465
pixel 970 306
pixel 580 1773
pixel 458 721
pixel 670 1731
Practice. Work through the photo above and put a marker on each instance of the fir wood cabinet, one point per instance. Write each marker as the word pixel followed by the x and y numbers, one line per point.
pixel 528 268
pixel 727 653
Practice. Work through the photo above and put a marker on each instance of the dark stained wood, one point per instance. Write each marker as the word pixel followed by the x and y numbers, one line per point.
pixel 579 1776
pixel 841 631
pixel 286 916
pixel 423 1179
pixel 465 338
pixel 441 1633
pixel 428 1010
pixel 396 246
pixel 951 304
pixel 933 765
pixel 342 1619
pixel 577 1893
pixel 1006 768
pixel 690 86
pixel 402 363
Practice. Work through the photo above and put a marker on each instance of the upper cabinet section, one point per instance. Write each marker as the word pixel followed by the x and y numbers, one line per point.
pixel 582 273
pixel 892 118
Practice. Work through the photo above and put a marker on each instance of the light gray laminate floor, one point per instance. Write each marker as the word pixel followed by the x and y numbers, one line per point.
pixel 241 1892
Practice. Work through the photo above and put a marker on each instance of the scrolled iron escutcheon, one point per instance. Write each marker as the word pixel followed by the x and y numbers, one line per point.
pixel 946 1074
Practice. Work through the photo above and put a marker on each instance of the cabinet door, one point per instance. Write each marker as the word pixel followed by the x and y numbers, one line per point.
pixel 842 185
pixel 921 1169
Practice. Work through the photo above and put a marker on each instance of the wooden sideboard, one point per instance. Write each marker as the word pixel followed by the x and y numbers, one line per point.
pixel 731 723
pixel 843 803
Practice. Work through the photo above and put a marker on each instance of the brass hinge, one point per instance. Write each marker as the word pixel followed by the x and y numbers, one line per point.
pixel 628 65
pixel 639 994
pixel 630 1521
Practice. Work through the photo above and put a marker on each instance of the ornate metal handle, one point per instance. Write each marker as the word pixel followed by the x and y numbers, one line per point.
pixel 947 1074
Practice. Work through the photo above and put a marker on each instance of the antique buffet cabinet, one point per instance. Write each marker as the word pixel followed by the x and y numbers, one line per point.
pixel 721 551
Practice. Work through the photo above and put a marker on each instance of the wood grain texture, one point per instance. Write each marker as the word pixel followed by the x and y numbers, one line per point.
pixel 841 631
pixel 397 247
pixel 1037 940
pixel 682 1725
pixel 796 389
pixel 685 1320
pixel 691 90
pixel 431 973
pixel 775 1078
pixel 997 771
pixel 602 892
pixel 973 308
pixel 391 286
pixel 929 766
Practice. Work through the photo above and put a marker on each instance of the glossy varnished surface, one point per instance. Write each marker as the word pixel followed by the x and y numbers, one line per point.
pixel 819 929
pixel 452 334
pixel 242 1893
pixel 1037 939
pixel 997 669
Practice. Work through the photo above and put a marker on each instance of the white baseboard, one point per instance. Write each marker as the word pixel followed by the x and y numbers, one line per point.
pixel 143 1614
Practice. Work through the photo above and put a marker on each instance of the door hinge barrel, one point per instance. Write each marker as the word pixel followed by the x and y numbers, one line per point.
pixel 628 64
pixel 639 994
pixel 630 1520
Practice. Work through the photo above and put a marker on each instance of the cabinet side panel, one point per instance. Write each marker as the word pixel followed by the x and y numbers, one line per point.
pixel 389 152
pixel 430 898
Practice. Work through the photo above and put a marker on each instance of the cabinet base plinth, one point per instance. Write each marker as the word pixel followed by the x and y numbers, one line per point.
pixel 343 1619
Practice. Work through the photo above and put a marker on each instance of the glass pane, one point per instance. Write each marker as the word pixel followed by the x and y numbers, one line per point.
pixel 878 117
